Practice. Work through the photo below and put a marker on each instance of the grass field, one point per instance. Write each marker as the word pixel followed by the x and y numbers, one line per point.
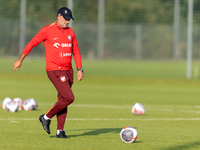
pixel 102 106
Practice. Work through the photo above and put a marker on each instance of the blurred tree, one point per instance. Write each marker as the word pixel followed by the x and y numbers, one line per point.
pixel 86 10
pixel 138 11
pixel 127 11
pixel 10 9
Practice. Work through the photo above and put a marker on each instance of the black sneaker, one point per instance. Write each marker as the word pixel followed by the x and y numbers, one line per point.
pixel 45 123
pixel 61 135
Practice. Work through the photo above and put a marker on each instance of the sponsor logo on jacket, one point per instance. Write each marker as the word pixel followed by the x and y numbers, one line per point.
pixel 65 54
pixel 57 45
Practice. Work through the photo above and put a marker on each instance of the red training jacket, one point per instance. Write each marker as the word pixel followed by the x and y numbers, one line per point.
pixel 59 44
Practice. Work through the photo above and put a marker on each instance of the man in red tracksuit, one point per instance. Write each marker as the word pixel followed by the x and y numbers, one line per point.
pixel 60 44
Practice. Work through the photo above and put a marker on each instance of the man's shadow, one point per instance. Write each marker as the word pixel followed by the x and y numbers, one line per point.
pixel 96 131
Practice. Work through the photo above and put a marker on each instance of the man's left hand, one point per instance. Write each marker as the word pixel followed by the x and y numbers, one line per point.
pixel 79 75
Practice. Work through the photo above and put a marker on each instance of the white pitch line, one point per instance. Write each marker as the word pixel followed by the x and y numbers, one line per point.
pixel 129 119
pixel 101 106
pixel 91 106
pixel 105 119
pixel 129 107
pixel 175 110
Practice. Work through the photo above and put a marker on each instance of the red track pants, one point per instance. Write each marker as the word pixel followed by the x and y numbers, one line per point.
pixel 62 81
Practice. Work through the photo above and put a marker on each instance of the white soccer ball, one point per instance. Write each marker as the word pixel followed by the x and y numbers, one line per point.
pixel 5 101
pixel 128 134
pixel 20 102
pixel 30 104
pixel 12 106
pixel 138 109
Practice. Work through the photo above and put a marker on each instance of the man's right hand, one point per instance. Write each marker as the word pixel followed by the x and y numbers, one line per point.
pixel 17 64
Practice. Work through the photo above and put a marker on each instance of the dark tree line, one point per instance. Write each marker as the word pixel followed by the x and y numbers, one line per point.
pixel 126 11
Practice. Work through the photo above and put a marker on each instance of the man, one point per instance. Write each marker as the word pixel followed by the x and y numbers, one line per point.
pixel 60 44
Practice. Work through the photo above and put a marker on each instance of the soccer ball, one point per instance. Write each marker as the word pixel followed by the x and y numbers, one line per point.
pixel 12 106
pixel 30 104
pixel 5 101
pixel 20 102
pixel 128 134
pixel 138 109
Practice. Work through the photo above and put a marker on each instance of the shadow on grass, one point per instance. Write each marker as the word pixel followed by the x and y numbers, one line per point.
pixel 184 146
pixel 97 131
pixel 94 131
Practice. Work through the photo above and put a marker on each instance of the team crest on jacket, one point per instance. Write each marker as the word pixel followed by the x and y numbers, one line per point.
pixel 69 37
pixel 62 79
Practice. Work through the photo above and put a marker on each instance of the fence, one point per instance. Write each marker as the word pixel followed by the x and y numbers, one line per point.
pixel 123 39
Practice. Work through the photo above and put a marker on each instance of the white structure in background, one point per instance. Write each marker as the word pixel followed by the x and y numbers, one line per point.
pixel 22 26
pixel 189 39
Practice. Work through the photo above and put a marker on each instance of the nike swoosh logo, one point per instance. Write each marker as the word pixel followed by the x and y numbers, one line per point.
pixel 56 38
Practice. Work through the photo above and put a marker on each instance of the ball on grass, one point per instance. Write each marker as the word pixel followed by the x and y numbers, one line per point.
pixel 5 101
pixel 128 134
pixel 138 109
pixel 30 104
pixel 12 106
